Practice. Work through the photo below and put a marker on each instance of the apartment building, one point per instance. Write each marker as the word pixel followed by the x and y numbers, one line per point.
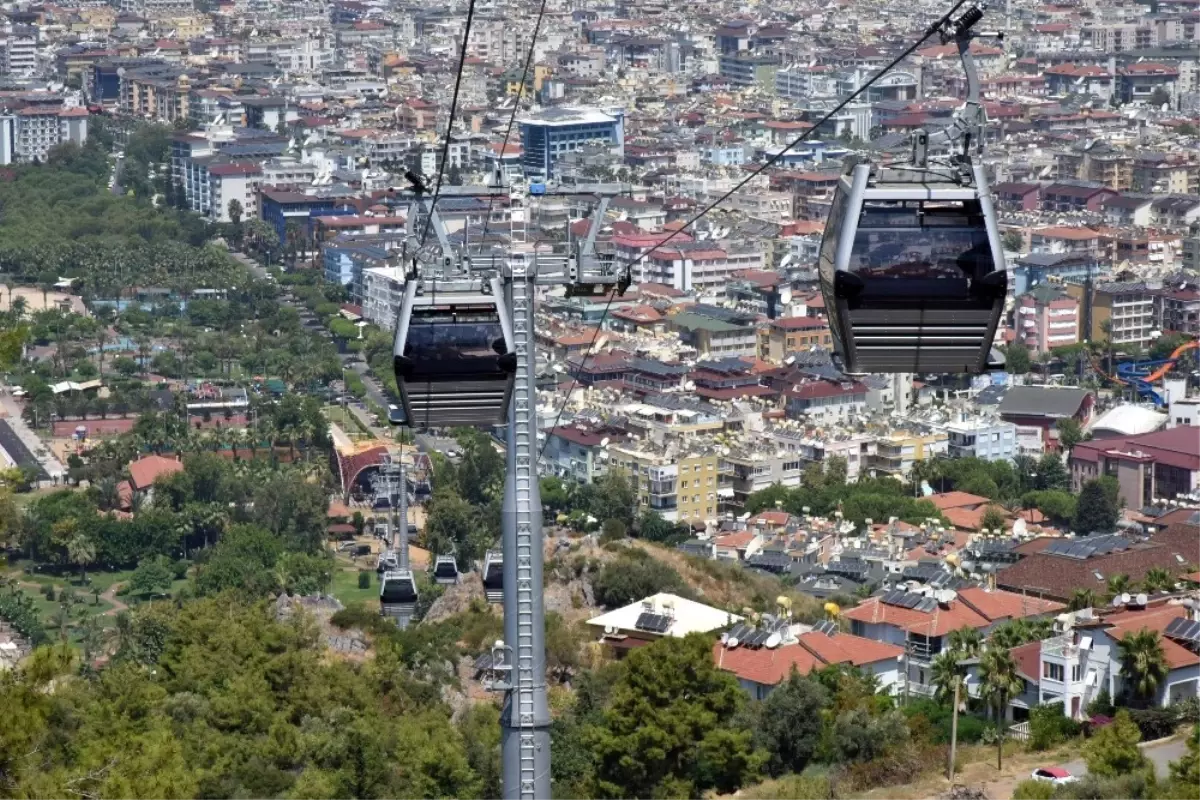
pixel 1035 269
pixel 1148 467
pixel 989 440
pixel 1166 173
pixel 715 332
pixel 236 181
pixel 1047 317
pixel 1179 310
pixel 29 133
pixel 682 488
pixel 20 50
pixel 782 337
pixel 856 449
pixel 1126 310
pixel 895 453
pixel 825 400
pixel 382 291
pixel 558 130
pixel 579 451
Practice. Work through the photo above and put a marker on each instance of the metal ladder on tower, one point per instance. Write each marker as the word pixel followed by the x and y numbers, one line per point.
pixel 524 399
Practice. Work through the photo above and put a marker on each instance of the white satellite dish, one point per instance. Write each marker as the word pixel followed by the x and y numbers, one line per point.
pixel 732 643
pixel 604 442
pixel 1125 598
pixel 610 629
pixel 773 641
pixel 1141 599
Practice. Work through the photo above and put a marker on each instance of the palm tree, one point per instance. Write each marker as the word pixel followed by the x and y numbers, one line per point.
pixel 81 552
pixel 1157 579
pixel 1117 584
pixel 1010 634
pixel 1081 599
pixel 1143 663
pixel 966 641
pixel 947 674
pixel 999 683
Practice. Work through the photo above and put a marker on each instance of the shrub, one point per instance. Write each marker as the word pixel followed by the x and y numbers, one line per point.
pixel 1102 706
pixel 1094 787
pixel 1154 723
pixel 179 569
pixel 1034 790
pixel 902 765
pixel 48 591
pixel 364 579
pixel 627 579
pixel 1187 712
pixel 792 787
pixel 1048 726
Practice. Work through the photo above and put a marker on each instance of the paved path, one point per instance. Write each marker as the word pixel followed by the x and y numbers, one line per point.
pixel 110 596
pixel 27 437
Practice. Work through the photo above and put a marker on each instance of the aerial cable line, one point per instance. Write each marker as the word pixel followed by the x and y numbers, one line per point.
pixel 462 58
pixel 537 27
pixel 933 29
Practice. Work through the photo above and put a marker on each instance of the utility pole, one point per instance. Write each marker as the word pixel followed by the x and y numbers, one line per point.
pixel 954 732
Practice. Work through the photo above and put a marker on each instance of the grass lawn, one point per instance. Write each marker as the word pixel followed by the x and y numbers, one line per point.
pixel 345 585
pixel 345 419
pixel 133 600
pixel 100 579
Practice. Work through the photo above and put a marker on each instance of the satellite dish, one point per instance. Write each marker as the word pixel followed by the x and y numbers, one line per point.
pixel 732 643
pixel 1125 598
pixel 604 442
pixel 610 629
pixel 1141 599
pixel 1116 601
pixel 773 641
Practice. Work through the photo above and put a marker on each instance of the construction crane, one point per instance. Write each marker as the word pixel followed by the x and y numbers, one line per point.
pixel 465 355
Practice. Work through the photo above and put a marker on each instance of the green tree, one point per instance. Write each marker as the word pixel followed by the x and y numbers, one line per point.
pixel 993 518
pixel 1116 585
pixel 1143 664
pixel 1013 241
pixel 1070 433
pixel 1016 359
pixel 1157 579
pixel 1052 474
pixel 998 684
pixel 1113 750
pixel 789 724
pixel 1081 599
pixel 81 552
pixel 235 211
pixel 667 730
pixel 1034 790
pixel 629 579
pixel 243 561
pixel 1096 511
pixel 152 576
pixel 1185 773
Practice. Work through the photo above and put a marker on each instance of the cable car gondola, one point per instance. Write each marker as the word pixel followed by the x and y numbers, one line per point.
pixel 453 354
pixel 493 576
pixel 445 570
pixel 398 595
pixel 911 263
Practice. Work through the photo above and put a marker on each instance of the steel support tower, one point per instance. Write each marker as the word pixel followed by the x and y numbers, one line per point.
pixel 525 719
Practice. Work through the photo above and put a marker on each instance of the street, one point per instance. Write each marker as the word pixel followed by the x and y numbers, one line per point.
pixel 375 392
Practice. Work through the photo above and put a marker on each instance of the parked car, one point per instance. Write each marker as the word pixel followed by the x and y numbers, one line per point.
pixel 1056 775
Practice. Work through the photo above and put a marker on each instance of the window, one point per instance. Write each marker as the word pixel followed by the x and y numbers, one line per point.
pixel 1076 671
pixel 1052 671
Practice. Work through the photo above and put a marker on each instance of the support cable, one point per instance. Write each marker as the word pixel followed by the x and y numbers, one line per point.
pixel 933 29
pixel 537 27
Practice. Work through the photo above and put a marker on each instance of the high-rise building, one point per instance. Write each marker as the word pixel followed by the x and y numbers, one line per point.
pixel 547 135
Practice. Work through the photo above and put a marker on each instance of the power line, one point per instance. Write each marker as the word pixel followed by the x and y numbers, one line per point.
pixel 462 59
pixel 930 31
pixel 537 27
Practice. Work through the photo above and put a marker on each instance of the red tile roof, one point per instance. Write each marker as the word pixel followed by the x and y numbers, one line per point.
pixel 1028 658
pixel 813 651
pixel 146 470
pixel 1001 605
pixel 1155 619
pixel 845 648
pixel 938 622
pixel 1178 447
pixel 947 500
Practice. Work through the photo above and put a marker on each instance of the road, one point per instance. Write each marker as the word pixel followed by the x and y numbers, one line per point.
pixel 18 436
pixel 375 392
pixel 1160 753
pixel 116 187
